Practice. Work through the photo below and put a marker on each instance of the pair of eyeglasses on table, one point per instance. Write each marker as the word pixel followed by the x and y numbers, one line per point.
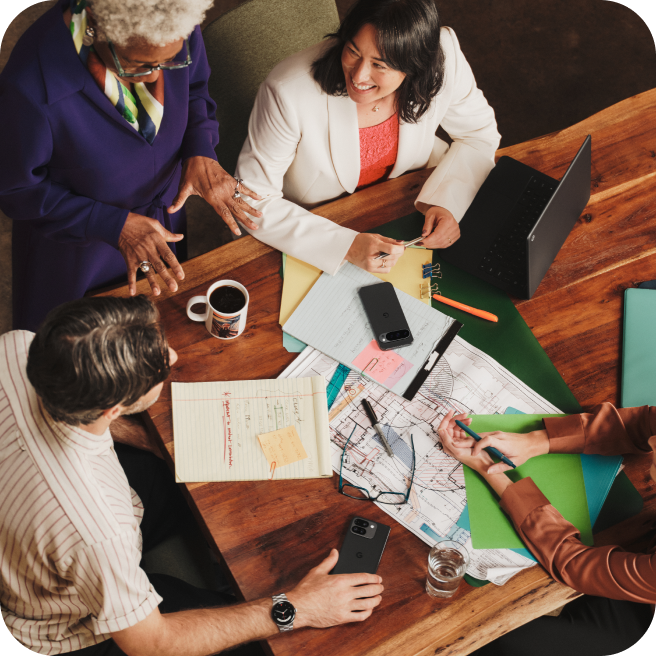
pixel 362 494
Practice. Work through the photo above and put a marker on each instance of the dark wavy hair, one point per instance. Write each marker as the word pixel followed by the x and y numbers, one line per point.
pixel 408 39
pixel 94 353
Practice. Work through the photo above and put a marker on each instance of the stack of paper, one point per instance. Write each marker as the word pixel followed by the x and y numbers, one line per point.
pixel 331 318
pixel 406 276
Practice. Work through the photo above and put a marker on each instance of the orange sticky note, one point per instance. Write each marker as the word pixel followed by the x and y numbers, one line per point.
pixel 282 446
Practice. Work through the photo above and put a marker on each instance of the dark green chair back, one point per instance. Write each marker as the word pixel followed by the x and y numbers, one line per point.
pixel 244 45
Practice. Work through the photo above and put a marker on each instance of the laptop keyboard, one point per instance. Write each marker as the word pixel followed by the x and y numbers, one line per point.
pixel 506 258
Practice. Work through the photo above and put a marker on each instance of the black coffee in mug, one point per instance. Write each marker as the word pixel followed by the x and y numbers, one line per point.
pixel 227 299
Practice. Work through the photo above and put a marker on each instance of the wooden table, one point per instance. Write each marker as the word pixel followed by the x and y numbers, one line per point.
pixel 270 534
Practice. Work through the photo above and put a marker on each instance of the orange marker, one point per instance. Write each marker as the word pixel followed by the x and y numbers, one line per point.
pixel 461 306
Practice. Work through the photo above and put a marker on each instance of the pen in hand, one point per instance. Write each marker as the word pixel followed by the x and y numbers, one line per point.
pixel 405 244
pixel 490 449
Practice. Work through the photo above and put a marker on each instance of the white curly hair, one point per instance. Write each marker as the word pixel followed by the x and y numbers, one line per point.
pixel 157 22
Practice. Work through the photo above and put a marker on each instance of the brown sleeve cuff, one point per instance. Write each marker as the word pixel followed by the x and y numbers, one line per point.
pixel 566 434
pixel 520 499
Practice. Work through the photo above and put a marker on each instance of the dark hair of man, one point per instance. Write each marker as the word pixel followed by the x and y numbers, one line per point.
pixel 92 354
pixel 408 39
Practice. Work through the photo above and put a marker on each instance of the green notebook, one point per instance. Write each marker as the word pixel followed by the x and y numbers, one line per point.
pixel 559 477
pixel 639 348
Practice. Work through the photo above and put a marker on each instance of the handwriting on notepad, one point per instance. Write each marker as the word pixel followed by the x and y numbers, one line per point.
pixel 282 446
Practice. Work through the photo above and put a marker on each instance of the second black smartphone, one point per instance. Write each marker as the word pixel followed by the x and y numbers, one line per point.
pixel 385 315
pixel 362 548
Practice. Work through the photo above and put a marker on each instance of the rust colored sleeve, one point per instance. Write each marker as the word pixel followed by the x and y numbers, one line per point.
pixel 606 430
pixel 601 571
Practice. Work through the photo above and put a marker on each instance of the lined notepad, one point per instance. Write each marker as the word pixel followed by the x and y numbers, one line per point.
pixel 215 428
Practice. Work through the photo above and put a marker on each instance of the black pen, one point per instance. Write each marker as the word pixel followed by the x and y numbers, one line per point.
pixel 374 420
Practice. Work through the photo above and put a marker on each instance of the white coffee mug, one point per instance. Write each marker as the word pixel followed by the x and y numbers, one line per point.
pixel 222 325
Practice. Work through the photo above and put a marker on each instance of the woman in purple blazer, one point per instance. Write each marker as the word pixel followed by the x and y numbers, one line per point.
pixel 106 132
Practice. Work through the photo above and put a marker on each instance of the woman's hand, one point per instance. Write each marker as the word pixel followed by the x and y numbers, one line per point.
pixel 366 247
pixel 204 177
pixel 440 228
pixel 518 447
pixel 459 445
pixel 144 239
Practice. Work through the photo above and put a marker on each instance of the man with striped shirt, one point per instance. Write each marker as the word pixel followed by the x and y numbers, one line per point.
pixel 72 522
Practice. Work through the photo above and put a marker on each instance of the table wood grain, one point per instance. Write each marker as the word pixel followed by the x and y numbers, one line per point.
pixel 270 533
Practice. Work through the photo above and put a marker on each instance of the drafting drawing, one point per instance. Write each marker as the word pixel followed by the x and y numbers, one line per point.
pixel 465 379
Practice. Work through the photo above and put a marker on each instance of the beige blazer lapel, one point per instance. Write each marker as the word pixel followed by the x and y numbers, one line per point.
pixel 410 135
pixel 344 140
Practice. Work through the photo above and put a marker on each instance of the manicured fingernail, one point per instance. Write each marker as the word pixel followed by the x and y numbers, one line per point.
pixel 156 291
pixel 180 275
pixel 238 232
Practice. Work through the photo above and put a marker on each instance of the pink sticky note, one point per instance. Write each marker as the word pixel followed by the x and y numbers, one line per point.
pixel 386 367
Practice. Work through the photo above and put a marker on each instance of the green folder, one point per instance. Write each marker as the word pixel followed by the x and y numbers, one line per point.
pixel 559 477
pixel 639 348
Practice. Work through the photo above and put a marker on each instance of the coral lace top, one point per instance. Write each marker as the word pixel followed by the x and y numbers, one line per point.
pixel 378 148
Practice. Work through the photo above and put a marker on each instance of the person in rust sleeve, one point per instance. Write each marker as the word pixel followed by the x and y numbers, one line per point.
pixel 619 587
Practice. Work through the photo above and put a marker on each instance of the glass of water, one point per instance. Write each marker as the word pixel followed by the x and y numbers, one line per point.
pixel 447 564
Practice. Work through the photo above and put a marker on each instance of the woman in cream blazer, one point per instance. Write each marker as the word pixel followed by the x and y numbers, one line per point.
pixel 303 150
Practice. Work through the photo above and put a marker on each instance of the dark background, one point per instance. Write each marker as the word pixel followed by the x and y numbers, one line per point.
pixel 543 64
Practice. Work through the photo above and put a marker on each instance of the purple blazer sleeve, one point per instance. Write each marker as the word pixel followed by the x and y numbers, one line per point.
pixel 202 133
pixel 26 191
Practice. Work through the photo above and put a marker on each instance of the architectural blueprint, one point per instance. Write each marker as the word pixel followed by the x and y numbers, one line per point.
pixel 465 379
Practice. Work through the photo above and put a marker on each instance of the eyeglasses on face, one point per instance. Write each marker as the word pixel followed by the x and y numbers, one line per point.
pixel 166 66
pixel 362 494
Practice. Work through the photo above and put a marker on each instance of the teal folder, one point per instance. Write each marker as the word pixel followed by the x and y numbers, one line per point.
pixel 639 348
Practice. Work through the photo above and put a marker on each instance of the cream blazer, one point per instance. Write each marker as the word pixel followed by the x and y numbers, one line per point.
pixel 303 150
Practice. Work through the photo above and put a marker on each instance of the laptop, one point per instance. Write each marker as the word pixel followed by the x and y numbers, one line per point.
pixel 518 221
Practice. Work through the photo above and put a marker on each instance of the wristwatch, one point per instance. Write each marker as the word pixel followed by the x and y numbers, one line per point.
pixel 283 612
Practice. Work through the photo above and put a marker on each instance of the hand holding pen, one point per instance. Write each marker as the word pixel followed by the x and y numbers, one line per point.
pixel 458 442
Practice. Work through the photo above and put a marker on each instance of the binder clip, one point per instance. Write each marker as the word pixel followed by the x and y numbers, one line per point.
pixel 426 290
pixel 430 270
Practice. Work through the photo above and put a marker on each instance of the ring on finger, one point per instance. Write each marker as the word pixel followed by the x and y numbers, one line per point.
pixel 145 266
pixel 383 263
pixel 236 194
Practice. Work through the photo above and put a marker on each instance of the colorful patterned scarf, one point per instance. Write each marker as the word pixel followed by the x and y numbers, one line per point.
pixel 143 108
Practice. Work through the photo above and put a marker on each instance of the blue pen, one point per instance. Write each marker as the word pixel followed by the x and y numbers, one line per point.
pixel 490 449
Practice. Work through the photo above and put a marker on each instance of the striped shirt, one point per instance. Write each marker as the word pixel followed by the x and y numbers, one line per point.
pixel 70 537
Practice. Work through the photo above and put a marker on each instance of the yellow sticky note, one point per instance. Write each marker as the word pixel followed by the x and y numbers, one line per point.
pixel 282 446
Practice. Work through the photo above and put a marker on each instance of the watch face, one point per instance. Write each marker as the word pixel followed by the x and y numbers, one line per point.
pixel 283 612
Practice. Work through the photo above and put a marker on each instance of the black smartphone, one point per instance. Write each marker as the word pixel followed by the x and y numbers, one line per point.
pixel 385 315
pixel 362 548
